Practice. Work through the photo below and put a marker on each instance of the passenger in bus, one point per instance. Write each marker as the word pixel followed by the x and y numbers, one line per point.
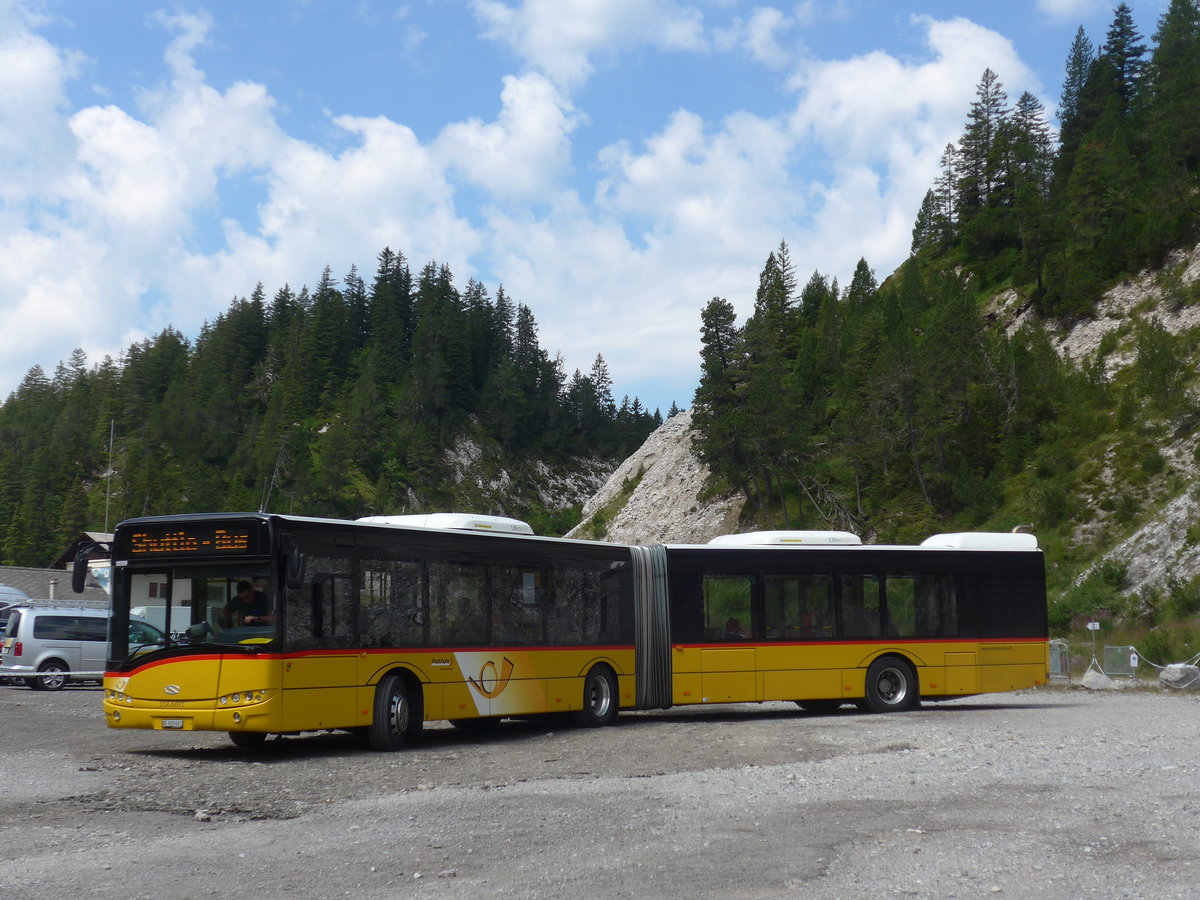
pixel 248 606
pixel 734 630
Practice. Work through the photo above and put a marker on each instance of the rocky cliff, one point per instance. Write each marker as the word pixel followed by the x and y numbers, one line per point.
pixel 657 495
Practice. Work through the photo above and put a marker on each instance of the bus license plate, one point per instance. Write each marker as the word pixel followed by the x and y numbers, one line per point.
pixel 172 723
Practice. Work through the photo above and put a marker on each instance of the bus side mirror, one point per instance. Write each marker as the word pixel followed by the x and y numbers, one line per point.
pixel 79 571
pixel 294 572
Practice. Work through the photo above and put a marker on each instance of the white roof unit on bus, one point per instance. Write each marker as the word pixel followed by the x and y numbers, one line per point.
pixel 787 538
pixel 455 522
pixel 982 540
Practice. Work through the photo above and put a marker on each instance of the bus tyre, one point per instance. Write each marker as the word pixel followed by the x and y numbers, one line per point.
pixel 389 726
pixel 891 685
pixel 599 698
pixel 52 675
pixel 248 740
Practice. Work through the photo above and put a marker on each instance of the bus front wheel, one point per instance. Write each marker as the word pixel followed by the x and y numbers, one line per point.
pixel 389 727
pixel 599 698
pixel 248 740
pixel 891 685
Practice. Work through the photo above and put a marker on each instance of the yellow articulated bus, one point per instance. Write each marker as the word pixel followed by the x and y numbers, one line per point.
pixel 282 624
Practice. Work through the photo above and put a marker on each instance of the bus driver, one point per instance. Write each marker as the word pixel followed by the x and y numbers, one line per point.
pixel 248 606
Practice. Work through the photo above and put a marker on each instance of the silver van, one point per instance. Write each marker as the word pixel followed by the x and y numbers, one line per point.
pixel 47 646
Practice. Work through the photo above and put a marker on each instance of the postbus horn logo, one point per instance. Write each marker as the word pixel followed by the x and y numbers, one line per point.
pixel 498 682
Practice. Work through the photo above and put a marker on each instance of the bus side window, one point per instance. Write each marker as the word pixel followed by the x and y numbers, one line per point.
pixel 391 603
pixel 728 600
pixel 862 613
pixel 456 603
pixel 902 605
pixel 564 615
pixel 320 614
pixel 517 603
pixel 798 607
pixel 937 608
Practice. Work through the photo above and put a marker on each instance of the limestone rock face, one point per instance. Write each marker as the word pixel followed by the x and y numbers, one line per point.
pixel 654 497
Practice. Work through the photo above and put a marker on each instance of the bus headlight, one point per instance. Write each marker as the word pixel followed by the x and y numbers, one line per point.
pixel 242 698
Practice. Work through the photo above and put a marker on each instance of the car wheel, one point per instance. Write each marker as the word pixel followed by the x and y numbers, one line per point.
pixel 53 674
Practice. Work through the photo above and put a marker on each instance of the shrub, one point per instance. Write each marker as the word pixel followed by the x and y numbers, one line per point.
pixel 1157 647
pixel 1183 597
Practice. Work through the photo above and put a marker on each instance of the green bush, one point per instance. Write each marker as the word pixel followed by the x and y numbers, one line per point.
pixel 1183 597
pixel 1157 647
pixel 1152 461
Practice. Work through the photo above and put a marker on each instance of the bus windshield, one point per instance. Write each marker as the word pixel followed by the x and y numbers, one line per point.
pixel 217 605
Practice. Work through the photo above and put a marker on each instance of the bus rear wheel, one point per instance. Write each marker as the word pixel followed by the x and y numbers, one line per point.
pixel 52 676
pixel 891 685
pixel 390 725
pixel 599 698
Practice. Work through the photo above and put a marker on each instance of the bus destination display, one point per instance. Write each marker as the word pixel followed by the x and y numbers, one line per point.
pixel 201 541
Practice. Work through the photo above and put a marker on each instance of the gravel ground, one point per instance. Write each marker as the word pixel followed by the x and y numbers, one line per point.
pixel 1061 792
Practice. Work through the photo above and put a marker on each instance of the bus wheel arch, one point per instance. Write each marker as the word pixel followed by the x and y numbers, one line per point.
pixel 398 711
pixel 891 685
pixel 600 697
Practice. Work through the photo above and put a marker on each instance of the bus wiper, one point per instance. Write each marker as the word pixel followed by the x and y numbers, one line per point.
pixel 200 635
pixel 163 642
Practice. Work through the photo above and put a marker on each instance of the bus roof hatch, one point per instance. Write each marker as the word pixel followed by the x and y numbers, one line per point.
pixel 982 540
pixel 786 538
pixel 455 522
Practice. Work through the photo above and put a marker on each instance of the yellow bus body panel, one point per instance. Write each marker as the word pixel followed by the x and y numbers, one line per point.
pixel 319 691
pixel 330 691
pixel 828 670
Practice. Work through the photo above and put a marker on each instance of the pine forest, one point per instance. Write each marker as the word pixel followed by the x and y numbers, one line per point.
pixel 342 401
pixel 901 409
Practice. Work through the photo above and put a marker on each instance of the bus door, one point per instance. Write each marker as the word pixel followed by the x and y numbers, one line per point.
pixel 728 665
pixel 174 601
pixel 797 658
pixel 320 670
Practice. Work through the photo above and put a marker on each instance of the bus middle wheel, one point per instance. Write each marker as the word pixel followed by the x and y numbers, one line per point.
pixel 891 685
pixel 599 698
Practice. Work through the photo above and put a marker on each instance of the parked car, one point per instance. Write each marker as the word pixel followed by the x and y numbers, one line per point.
pixel 9 597
pixel 48 646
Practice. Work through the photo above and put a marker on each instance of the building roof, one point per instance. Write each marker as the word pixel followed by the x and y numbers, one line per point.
pixel 67 558
pixel 53 584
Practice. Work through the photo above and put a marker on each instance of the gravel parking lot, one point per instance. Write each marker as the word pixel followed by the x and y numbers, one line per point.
pixel 1060 792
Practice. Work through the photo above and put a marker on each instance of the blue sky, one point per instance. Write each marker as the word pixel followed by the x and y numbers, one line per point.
pixel 613 163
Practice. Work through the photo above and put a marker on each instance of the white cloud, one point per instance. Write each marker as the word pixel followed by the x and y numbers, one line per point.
pixel 1070 9
pixel 758 36
pixel 560 37
pixel 525 150
pixel 883 122
pixel 34 139
pixel 621 265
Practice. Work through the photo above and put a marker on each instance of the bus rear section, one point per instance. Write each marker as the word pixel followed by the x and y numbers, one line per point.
pixel 882 627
